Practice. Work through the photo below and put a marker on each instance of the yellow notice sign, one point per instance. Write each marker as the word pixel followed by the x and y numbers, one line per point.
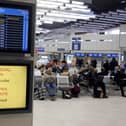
pixel 13 81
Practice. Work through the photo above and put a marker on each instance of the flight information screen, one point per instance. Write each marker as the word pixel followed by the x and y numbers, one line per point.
pixel 14 25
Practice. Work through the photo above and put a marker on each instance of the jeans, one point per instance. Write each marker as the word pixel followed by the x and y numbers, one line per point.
pixel 51 88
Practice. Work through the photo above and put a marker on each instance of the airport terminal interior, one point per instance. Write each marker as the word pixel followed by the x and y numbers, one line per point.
pixel 63 63
pixel 82 43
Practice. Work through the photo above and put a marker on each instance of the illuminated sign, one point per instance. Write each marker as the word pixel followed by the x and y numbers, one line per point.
pixel 13 85
pixel 76 43
pixel 14 25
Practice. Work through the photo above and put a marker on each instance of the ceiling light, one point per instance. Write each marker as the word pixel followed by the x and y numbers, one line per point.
pixel 85 17
pixel 40 13
pixel 52 19
pixel 60 1
pixel 112 20
pixel 105 14
pixel 70 13
pixel 121 11
pixel 42 10
pixel 96 23
pixel 81 10
pixel 48 22
pixel 75 6
pixel 116 18
pixel 57 19
pixel 103 20
pixel 95 27
pixel 120 17
pixel 47 6
pixel 63 42
pixel 50 3
pixel 123 33
pixel 77 3
pixel 113 13
pixel 38 23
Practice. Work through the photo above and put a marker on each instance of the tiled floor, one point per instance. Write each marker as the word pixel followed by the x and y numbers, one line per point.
pixel 84 111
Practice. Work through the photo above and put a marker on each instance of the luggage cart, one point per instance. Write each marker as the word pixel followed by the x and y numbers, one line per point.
pixel 39 89
pixel 63 84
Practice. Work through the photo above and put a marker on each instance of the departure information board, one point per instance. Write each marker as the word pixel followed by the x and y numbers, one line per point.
pixel 14 25
pixel 13 91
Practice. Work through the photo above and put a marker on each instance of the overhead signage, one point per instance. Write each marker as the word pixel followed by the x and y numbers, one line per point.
pixel 79 54
pixel 40 49
pixel 76 43
pixel 112 55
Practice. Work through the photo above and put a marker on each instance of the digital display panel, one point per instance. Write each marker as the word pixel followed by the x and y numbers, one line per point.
pixel 14 25
pixel 13 85
pixel 16 86
pixel 69 58
pixel 17 28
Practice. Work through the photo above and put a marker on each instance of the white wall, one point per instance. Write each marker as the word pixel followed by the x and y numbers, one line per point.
pixel 51 43
pixel 57 39
pixel 96 43
pixel 123 36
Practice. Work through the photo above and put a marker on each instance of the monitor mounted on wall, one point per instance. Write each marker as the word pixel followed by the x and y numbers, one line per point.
pixel 17 24
pixel 16 87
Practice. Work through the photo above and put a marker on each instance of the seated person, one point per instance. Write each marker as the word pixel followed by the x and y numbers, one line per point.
pixel 50 83
pixel 66 92
pixel 65 71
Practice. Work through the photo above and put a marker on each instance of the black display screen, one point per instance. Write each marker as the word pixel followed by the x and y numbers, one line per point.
pixel 16 27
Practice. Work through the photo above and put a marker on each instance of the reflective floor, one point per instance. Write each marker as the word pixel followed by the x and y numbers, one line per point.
pixel 84 111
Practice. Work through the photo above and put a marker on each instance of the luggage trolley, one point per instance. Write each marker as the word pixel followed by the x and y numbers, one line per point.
pixel 39 89
pixel 63 84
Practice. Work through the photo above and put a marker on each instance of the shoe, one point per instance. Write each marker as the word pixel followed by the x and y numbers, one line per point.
pixel 123 95
pixel 105 97
pixel 53 98
pixel 42 99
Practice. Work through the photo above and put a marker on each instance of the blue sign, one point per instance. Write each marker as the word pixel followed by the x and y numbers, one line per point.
pixel 109 55
pixel 95 55
pixel 76 43
pixel 82 55
pixel 112 55
pixel 100 55
pixel 40 49
pixel 90 54
pixel 79 54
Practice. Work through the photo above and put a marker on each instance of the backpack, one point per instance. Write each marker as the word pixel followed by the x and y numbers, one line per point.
pixel 75 90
